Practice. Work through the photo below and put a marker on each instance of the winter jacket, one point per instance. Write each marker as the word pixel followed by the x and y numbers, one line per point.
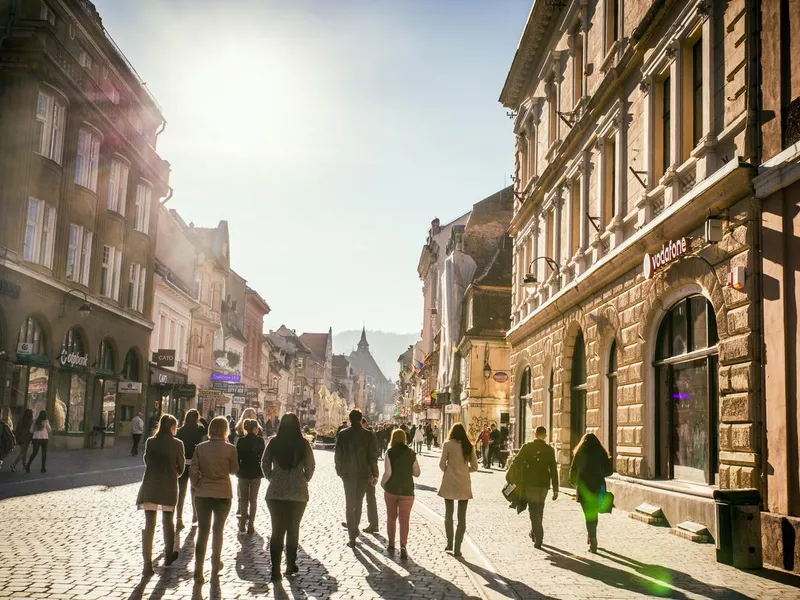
pixel 291 484
pixel 356 454
pixel 163 457
pixel 249 450
pixel 213 463
pixel 534 467
pixel 191 436
pixel 456 484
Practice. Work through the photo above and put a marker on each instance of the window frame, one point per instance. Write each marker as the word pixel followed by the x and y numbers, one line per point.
pixel 143 204
pixel 79 265
pixel 578 389
pixel 110 268
pixel 42 230
pixel 50 142
pixel 118 177
pixel 137 279
pixel 87 158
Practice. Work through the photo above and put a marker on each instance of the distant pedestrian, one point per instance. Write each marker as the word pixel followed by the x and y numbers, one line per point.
pixel 288 464
pixel 590 467
pixel 41 433
pixel 191 433
pixel 412 432
pixel 457 462
pixel 249 450
pixel 164 462
pixel 483 439
pixel 399 469
pixel 213 463
pixel 247 413
pixel 23 435
pixel 428 436
pixel 137 429
pixel 419 438
pixel 372 503
pixel 231 431
pixel 356 458
pixel 494 445
pixel 436 436
pixel 532 472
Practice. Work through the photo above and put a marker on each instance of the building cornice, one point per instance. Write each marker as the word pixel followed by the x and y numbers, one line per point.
pixel 778 172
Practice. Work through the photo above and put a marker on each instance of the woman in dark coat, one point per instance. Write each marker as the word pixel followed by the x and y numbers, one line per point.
pixel 191 433
pixel 590 467
pixel 164 463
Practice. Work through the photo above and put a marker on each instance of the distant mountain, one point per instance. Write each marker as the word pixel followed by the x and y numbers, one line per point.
pixel 385 347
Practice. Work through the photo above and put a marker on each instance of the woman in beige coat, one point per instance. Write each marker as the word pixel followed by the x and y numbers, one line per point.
pixel 457 462
pixel 213 464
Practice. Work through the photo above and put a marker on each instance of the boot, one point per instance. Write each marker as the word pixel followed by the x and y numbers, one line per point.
pixel 448 529
pixel 170 554
pixel 275 560
pixel 457 546
pixel 593 545
pixel 147 553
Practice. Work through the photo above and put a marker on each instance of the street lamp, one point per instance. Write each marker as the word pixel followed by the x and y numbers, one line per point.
pixel 530 278
pixel 84 310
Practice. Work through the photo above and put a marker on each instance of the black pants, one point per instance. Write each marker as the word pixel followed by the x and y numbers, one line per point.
pixel 354 492
pixel 590 505
pixel 183 484
pixel 168 525
pixel 372 506
pixel 206 507
pixel 36 445
pixel 285 516
pixel 136 438
pixel 536 498
pixel 461 529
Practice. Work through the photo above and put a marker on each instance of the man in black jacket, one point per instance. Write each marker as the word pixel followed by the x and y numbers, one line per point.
pixel 356 459
pixel 494 445
pixel 533 470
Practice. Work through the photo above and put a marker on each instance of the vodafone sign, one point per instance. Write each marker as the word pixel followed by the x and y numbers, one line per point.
pixel 670 251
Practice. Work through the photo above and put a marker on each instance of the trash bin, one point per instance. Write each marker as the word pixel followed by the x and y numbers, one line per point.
pixel 738 520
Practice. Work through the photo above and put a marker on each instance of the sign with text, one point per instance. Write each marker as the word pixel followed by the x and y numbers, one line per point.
pixel 232 377
pixel 434 413
pixel 451 409
pixel 164 377
pixel 669 252
pixel 130 387
pixel 185 390
pixel 24 349
pixel 73 360
pixel 251 393
pixel 164 358
pixel 500 377
pixel 238 400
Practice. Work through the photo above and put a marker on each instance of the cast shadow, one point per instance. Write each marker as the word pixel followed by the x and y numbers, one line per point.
pixel 313 576
pixel 425 488
pixel 501 584
pixel 251 563
pixel 388 582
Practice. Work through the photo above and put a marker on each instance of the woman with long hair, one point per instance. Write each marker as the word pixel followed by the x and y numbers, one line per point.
pixel 590 467
pixel 40 435
pixel 247 413
pixel 457 462
pixel 250 450
pixel 191 433
pixel 23 435
pixel 399 469
pixel 213 463
pixel 288 464
pixel 164 463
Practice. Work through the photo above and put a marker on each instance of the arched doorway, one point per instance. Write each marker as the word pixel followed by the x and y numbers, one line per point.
pixel 578 387
pixel 30 377
pixel 611 403
pixel 525 411
pixel 73 384
pixel 129 395
pixel 687 392
pixel 106 385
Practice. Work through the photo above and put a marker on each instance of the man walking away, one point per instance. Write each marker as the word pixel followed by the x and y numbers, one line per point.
pixel 372 503
pixel 494 445
pixel 532 471
pixel 483 441
pixel 356 458
pixel 137 428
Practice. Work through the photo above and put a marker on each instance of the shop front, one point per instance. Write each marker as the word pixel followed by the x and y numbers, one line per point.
pixel 30 374
pixel 71 416
pixel 163 396
pixel 129 393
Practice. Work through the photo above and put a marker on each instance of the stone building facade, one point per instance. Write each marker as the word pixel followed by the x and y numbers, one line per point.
pixel 80 184
pixel 634 131
pixel 256 357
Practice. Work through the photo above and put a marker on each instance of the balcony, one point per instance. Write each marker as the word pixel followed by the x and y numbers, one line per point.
pixel 207 314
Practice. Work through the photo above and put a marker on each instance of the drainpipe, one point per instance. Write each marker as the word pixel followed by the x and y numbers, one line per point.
pixel 12 15
pixel 167 199
pixel 162 128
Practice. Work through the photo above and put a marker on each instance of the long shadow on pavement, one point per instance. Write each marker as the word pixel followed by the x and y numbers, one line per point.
pixel 249 562
pixel 313 580
pixel 384 581
pixel 501 584
pixel 649 580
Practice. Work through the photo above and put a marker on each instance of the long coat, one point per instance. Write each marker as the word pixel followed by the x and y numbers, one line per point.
pixel 164 462
pixel 456 484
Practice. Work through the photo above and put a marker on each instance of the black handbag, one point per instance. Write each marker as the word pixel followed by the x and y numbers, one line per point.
pixel 509 491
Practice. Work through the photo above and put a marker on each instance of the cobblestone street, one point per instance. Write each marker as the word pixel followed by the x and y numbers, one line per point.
pixel 84 543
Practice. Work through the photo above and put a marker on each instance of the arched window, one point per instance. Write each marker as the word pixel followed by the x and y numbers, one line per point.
pixel 105 358
pixel 30 333
pixel 687 388
pixel 578 392
pixel 611 402
pixel 525 413
pixel 130 368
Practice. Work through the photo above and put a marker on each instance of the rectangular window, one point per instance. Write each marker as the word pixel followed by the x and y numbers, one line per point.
pixel 697 92
pixel 136 284
pixel 666 125
pixel 87 159
pixel 79 254
pixel 48 15
pixel 118 186
pixel 553 113
pixel 143 193
pixel 577 70
pixel 49 127
pixel 40 233
pixel 610 176
pixel 551 235
pixel 532 150
pixel 575 217
pixel 85 59
pixel 110 272
pixel 612 23
pixel 113 94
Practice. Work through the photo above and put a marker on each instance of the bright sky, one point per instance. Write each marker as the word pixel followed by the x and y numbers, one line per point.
pixel 328 133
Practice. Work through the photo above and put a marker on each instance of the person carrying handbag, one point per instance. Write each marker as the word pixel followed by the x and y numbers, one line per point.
pixel 590 467
pixel 533 471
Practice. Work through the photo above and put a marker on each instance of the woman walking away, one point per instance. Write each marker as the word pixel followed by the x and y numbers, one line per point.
pixel 247 413
pixel 40 434
pixel 249 449
pixel 164 463
pixel 419 437
pixel 23 435
pixel 590 467
pixel 399 469
pixel 457 462
pixel 191 433
pixel 213 463
pixel 288 464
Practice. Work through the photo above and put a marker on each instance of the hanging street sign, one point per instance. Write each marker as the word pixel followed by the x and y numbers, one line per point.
pixel 164 358
pixel 130 387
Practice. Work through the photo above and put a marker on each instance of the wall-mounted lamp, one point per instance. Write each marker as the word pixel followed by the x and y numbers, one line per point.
pixel 84 310
pixel 487 368
pixel 530 278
